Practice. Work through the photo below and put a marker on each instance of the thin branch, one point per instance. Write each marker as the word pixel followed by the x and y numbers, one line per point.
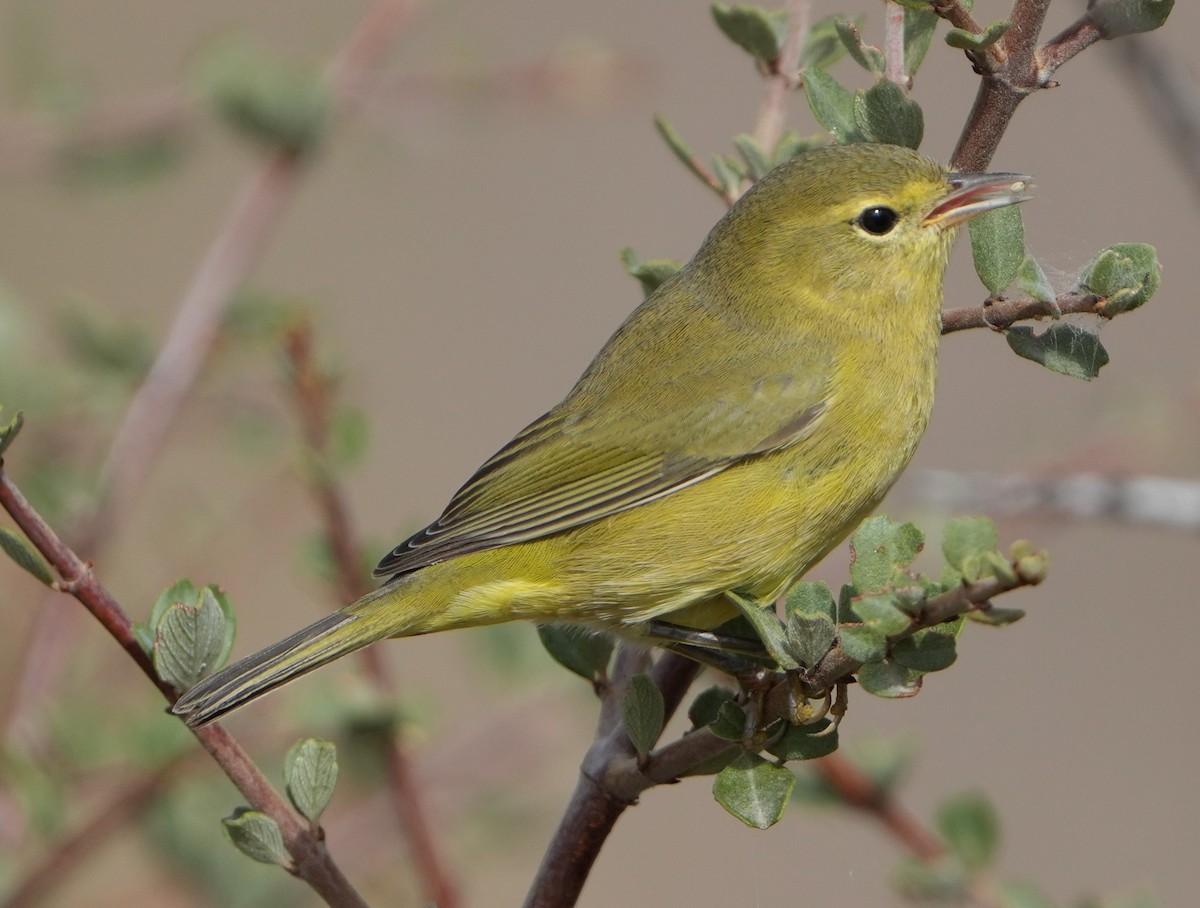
pixel 893 45
pixel 142 432
pixel 858 790
pixel 127 801
pixel 312 392
pixel 782 79
pixel 1160 501
pixel 313 863
pixel 1169 94
pixel 1007 77
pixel 1003 313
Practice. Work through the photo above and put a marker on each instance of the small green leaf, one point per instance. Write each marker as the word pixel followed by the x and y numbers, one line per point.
pixel 310 773
pixel 883 113
pixel 256 835
pixel 805 742
pixel 880 613
pixel 998 246
pixel 754 791
pixel 651 274
pixel 581 650
pixel 1114 18
pixel 266 100
pixel 887 679
pixel 759 32
pixel 1126 275
pixel 16 548
pixel 963 536
pixel 919 5
pixel 730 724
pixel 189 640
pixel 965 40
pixel 822 45
pixel 350 435
pixel 707 705
pixel 9 432
pixel 1064 348
pixel 862 644
pixel 642 711
pixel 810 637
pixel 144 636
pixel 881 547
pixel 832 105
pixel 971 829
pixel 934 883
pixel 766 624
pixel 1033 281
pixel 754 156
pixel 868 56
pixel 928 650
pixel 996 616
pixel 791 144
pixel 1022 894
pixel 729 172
pixel 715 763
pixel 919 25
pixel 810 597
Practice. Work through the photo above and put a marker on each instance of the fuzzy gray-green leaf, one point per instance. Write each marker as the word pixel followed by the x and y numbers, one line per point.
pixel 970 828
pixel 581 650
pixel 16 548
pixel 928 650
pixel 754 791
pixel 189 640
pixel 805 742
pixel 919 26
pixel 1033 281
pixel 965 40
pixel 1114 18
pixel 965 536
pixel 865 55
pixel 1064 348
pixel 822 45
pixel 832 105
pixel 642 711
pixel 310 773
pixel 1126 275
pixel 10 430
pixel 879 548
pixel 256 835
pixel 997 246
pixel 887 679
pixel 760 32
pixel 883 113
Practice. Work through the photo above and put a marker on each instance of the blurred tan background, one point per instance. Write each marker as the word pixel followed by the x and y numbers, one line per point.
pixel 460 247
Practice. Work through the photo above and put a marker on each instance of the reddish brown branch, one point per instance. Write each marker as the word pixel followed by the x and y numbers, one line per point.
pixel 313 392
pixel 1003 313
pixel 313 863
pixel 143 430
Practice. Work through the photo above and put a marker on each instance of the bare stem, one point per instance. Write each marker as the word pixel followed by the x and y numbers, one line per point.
pixel 313 392
pixel 893 45
pixel 782 79
pixel 1001 314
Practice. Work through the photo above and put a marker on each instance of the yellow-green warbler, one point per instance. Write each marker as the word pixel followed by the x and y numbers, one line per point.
pixel 733 430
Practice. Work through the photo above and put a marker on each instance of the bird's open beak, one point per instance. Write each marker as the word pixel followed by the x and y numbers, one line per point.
pixel 975 193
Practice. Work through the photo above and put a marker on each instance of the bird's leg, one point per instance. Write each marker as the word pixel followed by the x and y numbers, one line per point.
pixel 667 633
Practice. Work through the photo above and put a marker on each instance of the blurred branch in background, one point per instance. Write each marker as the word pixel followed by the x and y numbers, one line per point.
pixel 1169 94
pixel 185 348
pixel 1146 500
pixel 312 390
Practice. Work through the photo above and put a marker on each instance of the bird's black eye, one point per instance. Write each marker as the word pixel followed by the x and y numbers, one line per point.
pixel 878 220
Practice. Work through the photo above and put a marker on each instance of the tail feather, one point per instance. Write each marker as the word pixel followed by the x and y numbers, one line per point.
pixel 324 640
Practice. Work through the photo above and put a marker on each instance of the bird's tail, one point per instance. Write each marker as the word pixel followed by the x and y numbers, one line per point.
pixel 326 639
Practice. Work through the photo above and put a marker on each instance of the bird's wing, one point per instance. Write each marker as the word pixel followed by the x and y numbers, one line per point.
pixel 602 452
